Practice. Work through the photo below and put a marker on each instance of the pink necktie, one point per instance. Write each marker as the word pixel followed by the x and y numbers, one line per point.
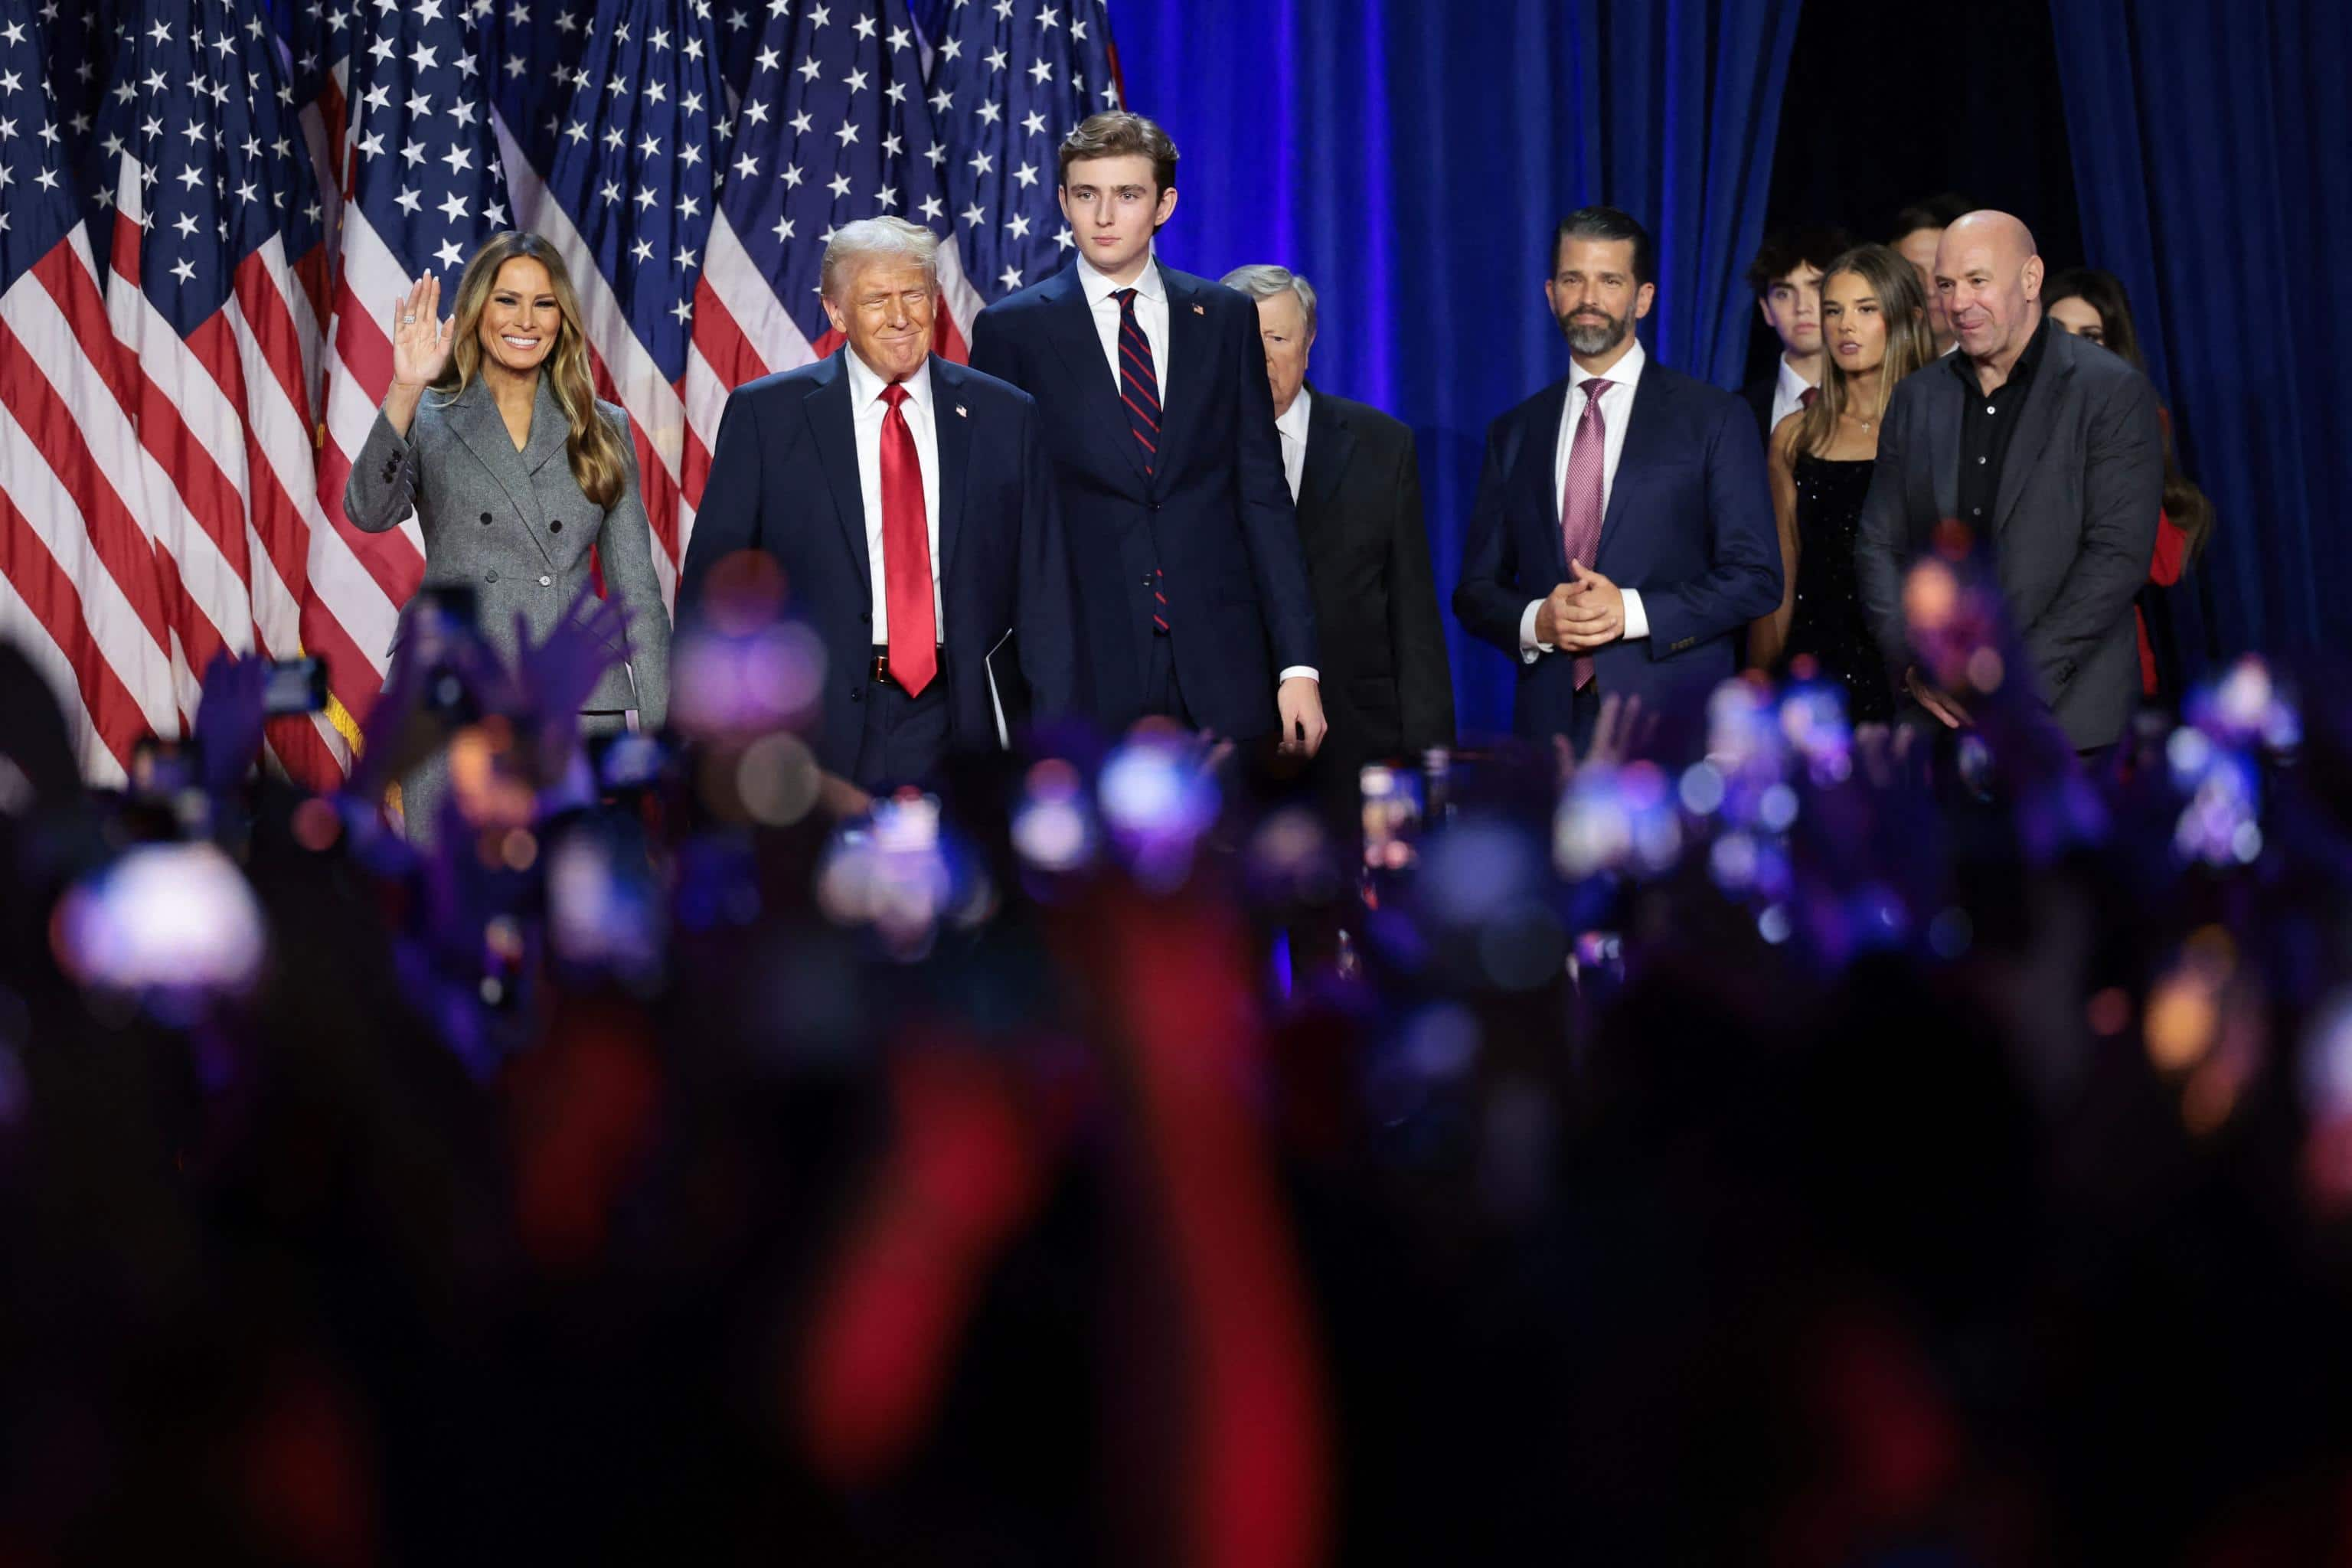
pixel 1580 502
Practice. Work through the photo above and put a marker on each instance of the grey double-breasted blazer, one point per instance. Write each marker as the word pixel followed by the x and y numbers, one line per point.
pixel 514 527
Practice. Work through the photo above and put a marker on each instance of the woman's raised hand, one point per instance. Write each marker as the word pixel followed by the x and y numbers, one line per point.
pixel 420 338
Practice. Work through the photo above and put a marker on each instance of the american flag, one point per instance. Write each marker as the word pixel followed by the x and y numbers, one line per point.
pixel 209 202
pixel 1009 79
pixel 739 42
pixel 423 189
pixel 629 176
pixel 531 49
pixel 78 588
pixel 80 41
pixel 185 367
pixel 832 128
pixel 316 42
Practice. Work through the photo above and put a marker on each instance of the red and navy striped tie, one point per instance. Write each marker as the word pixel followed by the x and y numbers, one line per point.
pixel 1139 389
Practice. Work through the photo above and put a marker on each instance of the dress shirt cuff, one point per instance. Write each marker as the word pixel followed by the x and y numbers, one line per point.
pixel 1528 646
pixel 1637 619
pixel 1300 671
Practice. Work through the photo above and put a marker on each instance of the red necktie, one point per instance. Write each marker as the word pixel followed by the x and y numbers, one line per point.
pixel 1579 500
pixel 1805 398
pixel 906 552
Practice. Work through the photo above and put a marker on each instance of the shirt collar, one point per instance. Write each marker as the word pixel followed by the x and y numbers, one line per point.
pixel 1147 283
pixel 865 385
pixel 2030 360
pixel 1292 421
pixel 1793 384
pixel 1625 373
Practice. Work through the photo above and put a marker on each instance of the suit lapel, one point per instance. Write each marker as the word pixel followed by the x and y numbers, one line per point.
pixel 1329 446
pixel 1184 380
pixel 550 432
pixel 2035 420
pixel 829 417
pixel 1944 439
pixel 476 418
pixel 1543 462
pixel 1643 434
pixel 952 428
pixel 1080 347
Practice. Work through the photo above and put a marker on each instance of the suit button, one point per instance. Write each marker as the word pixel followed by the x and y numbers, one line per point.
pixel 486 517
pixel 866 615
pixel 858 694
pixel 555 527
pixel 492 575
pixel 545 581
pixel 1155 505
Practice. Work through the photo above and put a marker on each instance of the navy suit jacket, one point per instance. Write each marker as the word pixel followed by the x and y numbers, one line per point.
pixel 1689 523
pixel 1215 516
pixel 783 479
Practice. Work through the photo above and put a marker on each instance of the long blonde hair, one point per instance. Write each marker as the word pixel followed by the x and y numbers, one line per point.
pixel 1910 343
pixel 599 462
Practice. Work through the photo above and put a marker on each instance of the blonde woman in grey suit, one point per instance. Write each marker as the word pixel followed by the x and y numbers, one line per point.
pixel 482 405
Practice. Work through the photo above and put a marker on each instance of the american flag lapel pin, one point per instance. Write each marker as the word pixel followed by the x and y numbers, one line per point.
pixel 1200 310
pixel 960 413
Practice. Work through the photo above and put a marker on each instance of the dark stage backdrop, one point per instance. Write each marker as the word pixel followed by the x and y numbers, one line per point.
pixel 1988 123
pixel 2210 141
pixel 1410 158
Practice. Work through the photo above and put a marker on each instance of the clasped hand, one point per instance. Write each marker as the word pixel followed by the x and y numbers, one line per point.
pixel 1583 613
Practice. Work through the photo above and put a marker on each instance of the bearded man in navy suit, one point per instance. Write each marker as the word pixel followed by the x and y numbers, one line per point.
pixel 1191 585
pixel 1623 527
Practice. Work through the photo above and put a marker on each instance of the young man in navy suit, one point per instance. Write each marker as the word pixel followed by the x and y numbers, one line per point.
pixel 911 505
pixel 1191 585
pixel 1623 527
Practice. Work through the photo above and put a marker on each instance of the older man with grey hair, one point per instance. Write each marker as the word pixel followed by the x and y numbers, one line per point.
pixel 1387 689
pixel 911 503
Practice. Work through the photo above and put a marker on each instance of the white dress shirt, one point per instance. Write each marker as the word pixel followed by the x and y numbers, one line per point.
pixel 1616 413
pixel 1151 315
pixel 867 409
pixel 1291 425
pixel 1789 390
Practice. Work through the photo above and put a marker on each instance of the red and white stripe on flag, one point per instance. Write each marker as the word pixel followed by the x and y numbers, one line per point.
pixel 79 587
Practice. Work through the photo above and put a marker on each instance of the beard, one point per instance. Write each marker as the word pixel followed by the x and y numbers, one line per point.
pixel 1595 337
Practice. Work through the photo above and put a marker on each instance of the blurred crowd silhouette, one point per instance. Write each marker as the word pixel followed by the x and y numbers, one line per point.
pixel 1753 1141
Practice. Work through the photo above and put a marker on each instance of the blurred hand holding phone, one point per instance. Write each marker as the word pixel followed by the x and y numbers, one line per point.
pixel 294 686
pixel 1392 800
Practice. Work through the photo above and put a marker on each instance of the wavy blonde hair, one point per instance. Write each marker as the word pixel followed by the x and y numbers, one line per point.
pixel 599 461
pixel 1910 343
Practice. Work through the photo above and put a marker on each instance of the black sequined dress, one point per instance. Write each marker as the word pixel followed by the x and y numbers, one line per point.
pixel 1827 624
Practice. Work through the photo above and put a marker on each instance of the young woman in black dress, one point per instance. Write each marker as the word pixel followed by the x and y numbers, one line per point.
pixel 1874 328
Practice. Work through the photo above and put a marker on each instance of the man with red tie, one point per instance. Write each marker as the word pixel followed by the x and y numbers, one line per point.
pixel 1192 592
pixel 1623 525
pixel 911 505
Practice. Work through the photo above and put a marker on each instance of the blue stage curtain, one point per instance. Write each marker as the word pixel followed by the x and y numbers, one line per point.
pixel 1411 157
pixel 2209 141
